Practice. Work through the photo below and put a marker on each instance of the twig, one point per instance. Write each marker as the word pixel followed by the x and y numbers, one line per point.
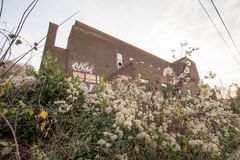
pixel 1 8
pixel 25 63
pixel 20 25
pixel 40 94
pixel 14 136
pixel 59 26
pixel 7 40
pixel 10 32
pixel 15 123
pixel 17 62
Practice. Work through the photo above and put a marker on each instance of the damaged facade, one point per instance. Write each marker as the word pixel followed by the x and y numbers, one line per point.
pixel 91 55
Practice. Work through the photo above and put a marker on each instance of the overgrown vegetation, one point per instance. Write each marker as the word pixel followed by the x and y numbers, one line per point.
pixel 55 117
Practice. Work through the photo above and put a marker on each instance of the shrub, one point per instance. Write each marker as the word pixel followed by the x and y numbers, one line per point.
pixel 55 117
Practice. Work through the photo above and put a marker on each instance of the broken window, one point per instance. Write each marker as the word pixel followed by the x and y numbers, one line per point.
pixel 90 78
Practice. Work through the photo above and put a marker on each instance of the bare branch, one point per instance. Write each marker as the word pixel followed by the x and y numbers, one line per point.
pixel 7 40
pixel 17 61
pixel 1 8
pixel 20 25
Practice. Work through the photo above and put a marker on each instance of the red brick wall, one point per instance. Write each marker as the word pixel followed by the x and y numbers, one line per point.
pixel 88 45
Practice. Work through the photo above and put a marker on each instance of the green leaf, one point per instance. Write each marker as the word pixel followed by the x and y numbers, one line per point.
pixel 185 140
pixel 5 111
pixel 9 86
pixel 6 150
pixel 30 111
pixel 4 143
pixel 13 110
pixel 21 104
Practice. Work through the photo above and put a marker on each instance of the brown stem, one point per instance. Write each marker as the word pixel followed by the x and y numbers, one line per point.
pixel 14 136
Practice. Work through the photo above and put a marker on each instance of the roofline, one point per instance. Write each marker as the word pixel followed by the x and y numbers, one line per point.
pixel 107 36
pixel 183 58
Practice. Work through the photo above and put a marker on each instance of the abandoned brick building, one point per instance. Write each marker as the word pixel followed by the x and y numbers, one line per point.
pixel 91 54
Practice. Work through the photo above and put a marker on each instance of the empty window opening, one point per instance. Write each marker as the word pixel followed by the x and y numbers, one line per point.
pixel 164 85
pixel 131 59
pixel 81 76
pixel 144 81
pixel 90 78
pixel 119 60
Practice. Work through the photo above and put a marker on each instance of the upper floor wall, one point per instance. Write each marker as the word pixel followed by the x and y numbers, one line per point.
pixel 105 52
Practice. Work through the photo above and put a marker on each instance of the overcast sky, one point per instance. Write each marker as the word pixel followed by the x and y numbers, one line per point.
pixel 156 26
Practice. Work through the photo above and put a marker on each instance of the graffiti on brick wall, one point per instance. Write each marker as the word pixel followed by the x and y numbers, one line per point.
pixel 83 67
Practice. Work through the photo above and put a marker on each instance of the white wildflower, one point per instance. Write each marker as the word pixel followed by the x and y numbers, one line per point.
pixel 114 137
pixel 195 144
pixel 107 133
pixel 69 91
pixel 119 132
pixel 70 86
pixel 108 110
pixel 63 108
pixel 165 126
pixel 114 125
pixel 69 97
pixel 101 142
pixel 145 136
pixel 30 80
pixel 164 144
pixel 108 145
pixel 160 129
pixel 74 98
pixel 140 113
pixel 127 124
pixel 122 156
pixel 168 72
pixel 59 102
pixel 136 148
pixel 130 137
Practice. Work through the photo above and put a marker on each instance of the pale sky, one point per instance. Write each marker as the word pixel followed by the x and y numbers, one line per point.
pixel 156 26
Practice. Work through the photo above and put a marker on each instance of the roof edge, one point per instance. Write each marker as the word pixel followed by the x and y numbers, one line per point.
pixel 91 29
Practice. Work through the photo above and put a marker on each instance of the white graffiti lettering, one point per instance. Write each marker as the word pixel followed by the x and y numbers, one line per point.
pixel 83 67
